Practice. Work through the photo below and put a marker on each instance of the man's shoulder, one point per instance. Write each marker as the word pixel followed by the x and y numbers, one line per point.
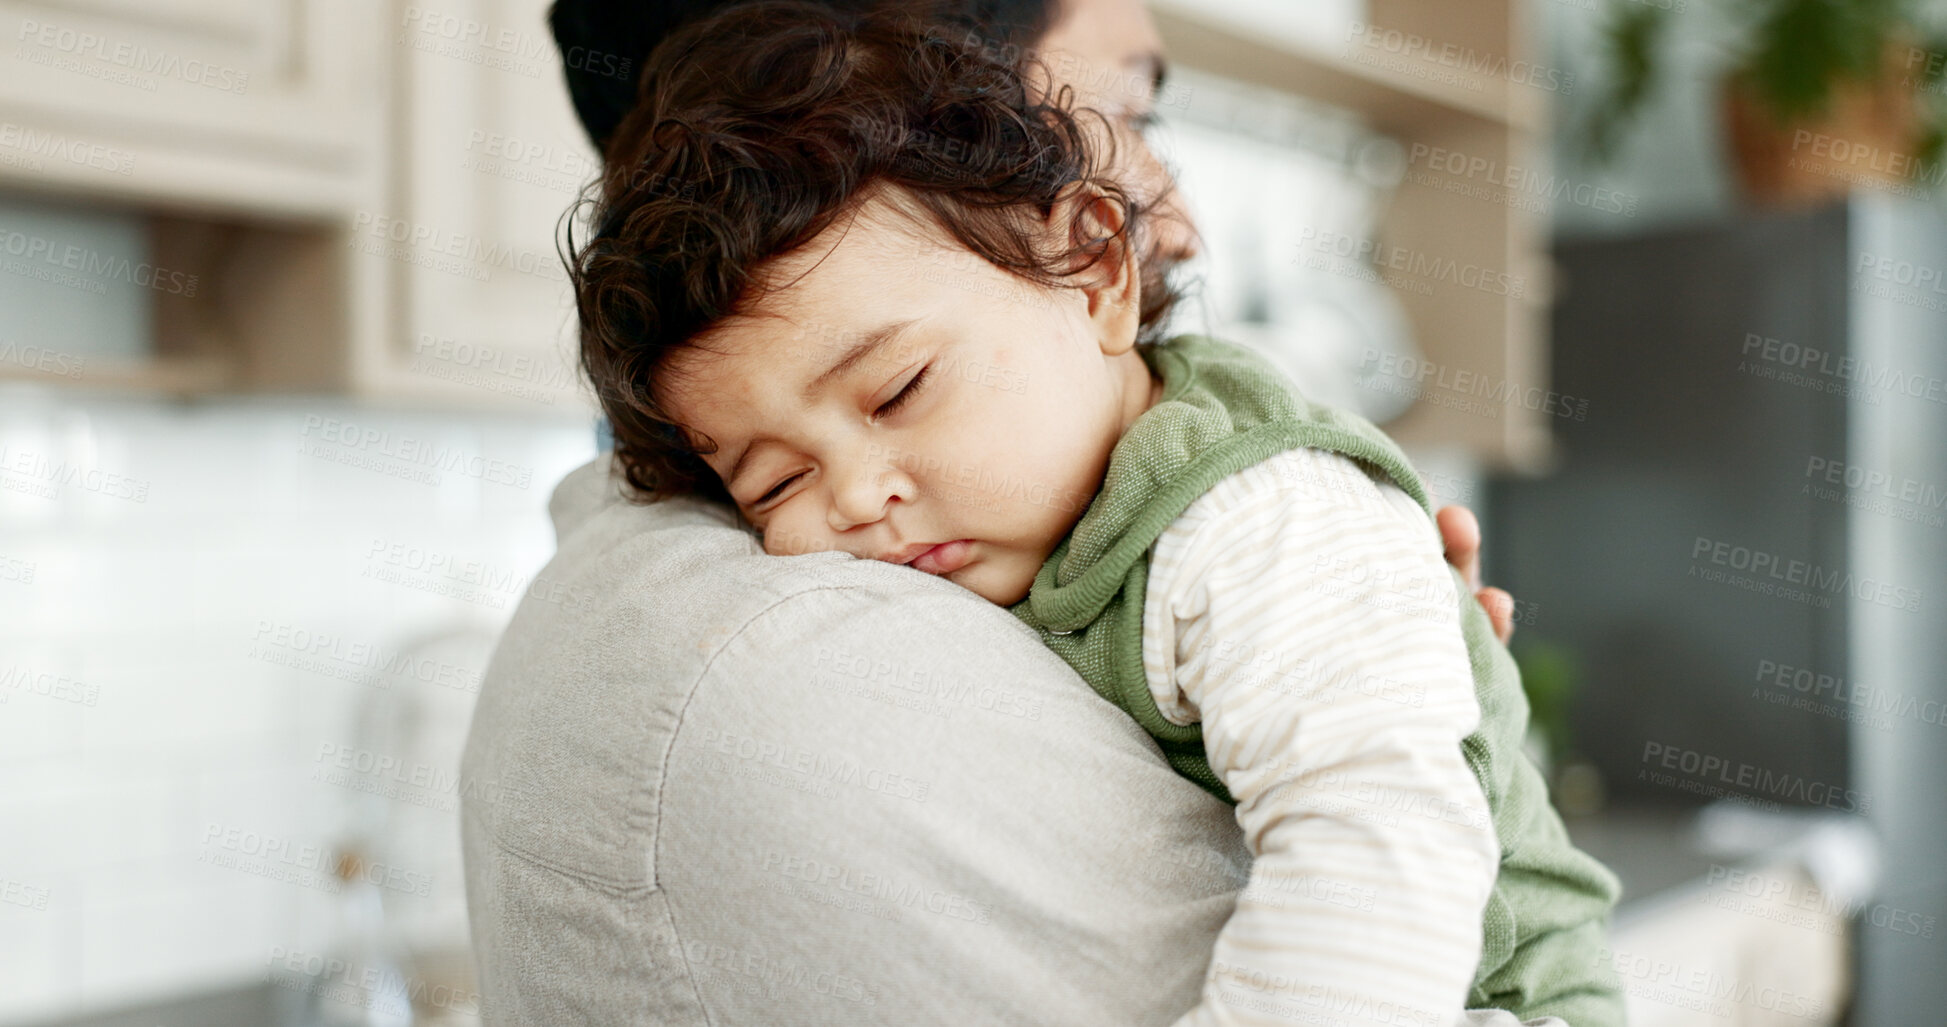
pixel 591 679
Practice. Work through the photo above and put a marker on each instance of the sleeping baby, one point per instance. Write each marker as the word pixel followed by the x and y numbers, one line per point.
pixel 895 309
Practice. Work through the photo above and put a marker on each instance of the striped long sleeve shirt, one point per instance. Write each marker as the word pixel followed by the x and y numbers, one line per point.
pixel 1303 612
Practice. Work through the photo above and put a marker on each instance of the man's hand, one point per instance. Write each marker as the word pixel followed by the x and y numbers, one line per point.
pixel 1462 535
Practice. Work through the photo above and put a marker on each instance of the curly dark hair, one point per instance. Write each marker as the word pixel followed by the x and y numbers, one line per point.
pixel 765 124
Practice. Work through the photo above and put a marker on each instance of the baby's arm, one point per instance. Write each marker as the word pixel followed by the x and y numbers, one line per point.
pixel 1308 619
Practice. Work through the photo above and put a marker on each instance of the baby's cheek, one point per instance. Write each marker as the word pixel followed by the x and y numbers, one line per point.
pixel 778 542
pixel 784 534
pixel 775 538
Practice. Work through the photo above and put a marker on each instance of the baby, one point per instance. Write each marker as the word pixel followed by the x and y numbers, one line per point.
pixel 862 283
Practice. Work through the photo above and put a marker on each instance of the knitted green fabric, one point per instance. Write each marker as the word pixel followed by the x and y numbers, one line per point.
pixel 1223 409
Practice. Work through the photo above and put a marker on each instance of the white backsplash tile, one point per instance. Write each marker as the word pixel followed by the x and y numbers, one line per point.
pixel 195 631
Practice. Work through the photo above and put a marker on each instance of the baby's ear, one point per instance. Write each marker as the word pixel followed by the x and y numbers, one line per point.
pixel 1102 255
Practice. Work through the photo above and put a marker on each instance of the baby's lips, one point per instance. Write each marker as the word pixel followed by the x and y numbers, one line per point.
pixel 945 558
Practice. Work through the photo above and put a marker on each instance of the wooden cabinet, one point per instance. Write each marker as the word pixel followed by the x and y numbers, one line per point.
pixel 260 108
pixel 464 294
pixel 1455 86
pixel 366 191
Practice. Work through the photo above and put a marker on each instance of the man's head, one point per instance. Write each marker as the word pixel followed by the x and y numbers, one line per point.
pixel 850 277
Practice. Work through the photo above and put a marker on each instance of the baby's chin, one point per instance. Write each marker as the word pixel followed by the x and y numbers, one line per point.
pixel 995 579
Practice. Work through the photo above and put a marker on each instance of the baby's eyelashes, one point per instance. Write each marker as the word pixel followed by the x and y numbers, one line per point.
pixel 778 489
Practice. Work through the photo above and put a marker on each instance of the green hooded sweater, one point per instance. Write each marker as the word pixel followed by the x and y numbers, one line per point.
pixel 1225 408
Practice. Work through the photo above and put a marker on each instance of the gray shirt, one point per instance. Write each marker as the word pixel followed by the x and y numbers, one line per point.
pixel 742 789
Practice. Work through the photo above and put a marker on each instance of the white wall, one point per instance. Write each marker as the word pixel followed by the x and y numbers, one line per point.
pixel 192 601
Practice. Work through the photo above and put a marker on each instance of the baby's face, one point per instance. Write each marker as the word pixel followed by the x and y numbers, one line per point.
pixel 903 400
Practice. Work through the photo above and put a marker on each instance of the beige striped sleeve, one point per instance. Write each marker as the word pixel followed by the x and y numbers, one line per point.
pixel 1303 612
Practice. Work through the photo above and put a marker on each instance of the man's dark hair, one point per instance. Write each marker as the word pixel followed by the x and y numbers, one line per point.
pixel 771 121
pixel 625 32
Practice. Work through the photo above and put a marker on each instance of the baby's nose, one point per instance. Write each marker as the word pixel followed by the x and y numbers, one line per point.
pixel 861 498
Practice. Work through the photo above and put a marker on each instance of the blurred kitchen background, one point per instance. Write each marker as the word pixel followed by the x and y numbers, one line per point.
pixel 1659 289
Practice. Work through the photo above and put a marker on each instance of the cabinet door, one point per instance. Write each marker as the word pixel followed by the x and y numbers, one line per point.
pixel 242 105
pixel 489 160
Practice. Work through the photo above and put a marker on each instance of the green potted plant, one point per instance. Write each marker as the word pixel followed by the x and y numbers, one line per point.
pixel 1819 95
pixel 1550 674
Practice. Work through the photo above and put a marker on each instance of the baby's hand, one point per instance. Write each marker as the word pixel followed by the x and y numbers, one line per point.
pixel 1462 535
